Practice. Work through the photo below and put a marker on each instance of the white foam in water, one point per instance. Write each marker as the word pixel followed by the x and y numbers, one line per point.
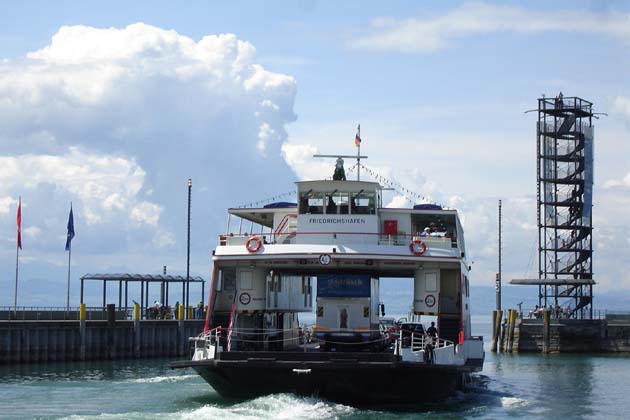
pixel 513 402
pixel 157 379
pixel 279 406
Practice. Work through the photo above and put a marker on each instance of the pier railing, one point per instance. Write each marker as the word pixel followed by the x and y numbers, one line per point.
pixel 93 313
pixel 55 313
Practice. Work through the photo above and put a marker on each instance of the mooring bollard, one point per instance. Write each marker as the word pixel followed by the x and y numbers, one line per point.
pixel 136 330
pixel 82 329
pixel 181 332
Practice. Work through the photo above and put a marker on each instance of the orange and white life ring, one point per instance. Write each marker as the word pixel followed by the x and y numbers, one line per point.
pixel 253 244
pixel 417 247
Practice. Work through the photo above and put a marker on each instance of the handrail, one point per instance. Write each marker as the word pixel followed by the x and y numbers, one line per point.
pixel 411 235
pixel 419 341
pixel 283 222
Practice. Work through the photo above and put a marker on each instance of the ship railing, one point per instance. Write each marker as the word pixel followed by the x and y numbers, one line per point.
pixel 420 341
pixel 243 339
pixel 292 236
pixel 207 344
pixel 289 339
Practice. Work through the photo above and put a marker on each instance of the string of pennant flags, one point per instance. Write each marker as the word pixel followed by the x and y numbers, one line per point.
pixel 411 196
pixel 256 204
pixel 401 190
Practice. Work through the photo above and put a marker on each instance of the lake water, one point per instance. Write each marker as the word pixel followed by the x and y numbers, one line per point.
pixel 510 386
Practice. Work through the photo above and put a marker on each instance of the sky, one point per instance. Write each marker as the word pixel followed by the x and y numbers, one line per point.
pixel 113 106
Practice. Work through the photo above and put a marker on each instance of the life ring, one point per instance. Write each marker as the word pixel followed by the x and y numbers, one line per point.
pixel 253 244
pixel 417 247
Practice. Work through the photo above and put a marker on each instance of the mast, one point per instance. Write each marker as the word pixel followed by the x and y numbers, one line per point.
pixel 358 152
pixel 358 157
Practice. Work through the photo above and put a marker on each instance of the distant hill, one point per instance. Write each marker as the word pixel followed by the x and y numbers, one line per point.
pixel 397 296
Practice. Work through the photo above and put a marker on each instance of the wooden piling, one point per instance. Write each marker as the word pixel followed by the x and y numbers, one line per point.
pixel 497 317
pixel 511 333
pixel 546 334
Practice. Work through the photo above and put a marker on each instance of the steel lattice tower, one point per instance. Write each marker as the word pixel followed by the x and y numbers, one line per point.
pixel 565 196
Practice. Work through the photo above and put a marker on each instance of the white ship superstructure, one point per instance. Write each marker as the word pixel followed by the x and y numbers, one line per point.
pixel 330 253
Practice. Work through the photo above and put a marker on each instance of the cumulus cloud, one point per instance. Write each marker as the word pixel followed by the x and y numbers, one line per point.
pixel 623 182
pixel 103 183
pixel 399 201
pixel 116 120
pixel 435 32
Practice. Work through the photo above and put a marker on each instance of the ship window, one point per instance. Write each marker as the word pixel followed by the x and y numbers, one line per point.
pixel 363 203
pixel 247 280
pixel 229 279
pixel 312 203
pixel 337 203
pixel 430 282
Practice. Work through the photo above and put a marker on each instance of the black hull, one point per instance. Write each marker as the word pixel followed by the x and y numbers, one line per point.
pixel 348 380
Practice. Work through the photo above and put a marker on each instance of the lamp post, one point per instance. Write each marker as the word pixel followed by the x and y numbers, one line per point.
pixel 187 284
pixel 498 279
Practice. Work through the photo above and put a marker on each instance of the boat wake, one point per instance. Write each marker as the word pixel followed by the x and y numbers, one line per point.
pixel 277 406
pixel 158 379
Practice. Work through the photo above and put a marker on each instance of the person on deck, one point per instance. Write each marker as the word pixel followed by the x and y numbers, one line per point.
pixel 432 331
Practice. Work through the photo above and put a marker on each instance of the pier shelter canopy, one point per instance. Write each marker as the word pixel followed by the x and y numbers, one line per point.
pixel 164 281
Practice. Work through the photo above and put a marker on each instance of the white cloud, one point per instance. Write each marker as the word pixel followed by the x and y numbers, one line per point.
pixel 435 32
pixel 102 183
pixel 5 205
pixel 116 120
pixel 622 105
pixel 146 212
pixel 623 182
pixel 32 232
pixel 115 77
pixel 398 202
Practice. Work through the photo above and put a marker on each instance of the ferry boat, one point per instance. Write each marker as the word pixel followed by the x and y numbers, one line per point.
pixel 336 246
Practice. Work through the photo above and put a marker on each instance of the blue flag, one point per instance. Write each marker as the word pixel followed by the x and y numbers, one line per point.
pixel 70 230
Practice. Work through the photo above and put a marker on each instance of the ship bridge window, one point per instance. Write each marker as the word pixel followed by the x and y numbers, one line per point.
pixel 312 203
pixel 337 203
pixel 227 279
pixel 363 203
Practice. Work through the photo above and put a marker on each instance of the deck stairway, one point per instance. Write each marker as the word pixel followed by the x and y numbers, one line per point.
pixel 448 327
pixel 286 230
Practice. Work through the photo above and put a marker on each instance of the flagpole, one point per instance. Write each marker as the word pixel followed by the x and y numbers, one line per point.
pixel 69 237
pixel 68 293
pixel 17 255
pixel 18 245
pixel 359 154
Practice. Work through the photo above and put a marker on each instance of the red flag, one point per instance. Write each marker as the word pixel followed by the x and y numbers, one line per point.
pixel 357 137
pixel 19 224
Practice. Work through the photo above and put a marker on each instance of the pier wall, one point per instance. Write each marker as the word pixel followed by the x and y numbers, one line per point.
pixel 569 336
pixel 51 341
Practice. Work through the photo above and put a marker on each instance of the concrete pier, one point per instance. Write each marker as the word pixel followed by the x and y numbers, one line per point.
pixel 50 341
pixel 548 335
